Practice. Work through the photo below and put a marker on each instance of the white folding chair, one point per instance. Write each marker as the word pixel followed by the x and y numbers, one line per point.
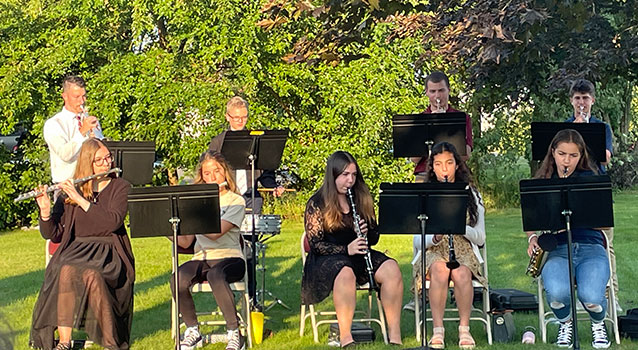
pixel 240 288
pixel 482 315
pixel 330 316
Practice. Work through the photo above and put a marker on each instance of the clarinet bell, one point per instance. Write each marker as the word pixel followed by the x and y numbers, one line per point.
pixel 452 264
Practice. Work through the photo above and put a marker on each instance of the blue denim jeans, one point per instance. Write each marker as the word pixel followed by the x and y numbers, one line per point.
pixel 591 268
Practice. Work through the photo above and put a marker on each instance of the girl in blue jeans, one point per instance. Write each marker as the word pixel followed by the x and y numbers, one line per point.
pixel 567 157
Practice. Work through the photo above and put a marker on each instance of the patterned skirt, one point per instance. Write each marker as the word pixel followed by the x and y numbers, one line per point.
pixel 440 252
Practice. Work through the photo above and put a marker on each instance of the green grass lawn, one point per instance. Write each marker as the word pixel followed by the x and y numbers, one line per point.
pixel 22 270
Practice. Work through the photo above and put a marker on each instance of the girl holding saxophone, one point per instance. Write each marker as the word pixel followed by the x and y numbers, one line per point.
pixel 567 157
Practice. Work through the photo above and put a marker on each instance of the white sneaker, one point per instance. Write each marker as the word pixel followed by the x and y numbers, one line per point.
pixel 599 335
pixel 191 338
pixel 564 338
pixel 235 340
pixel 409 306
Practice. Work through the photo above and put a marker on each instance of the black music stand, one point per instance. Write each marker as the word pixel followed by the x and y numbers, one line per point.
pixel 135 158
pixel 563 204
pixel 428 208
pixel 173 211
pixel 593 134
pixel 414 134
pixel 254 149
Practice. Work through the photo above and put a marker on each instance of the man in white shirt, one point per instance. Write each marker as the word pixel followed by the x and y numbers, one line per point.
pixel 65 132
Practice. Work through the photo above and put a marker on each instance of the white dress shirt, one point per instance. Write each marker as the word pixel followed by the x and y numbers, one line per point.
pixel 62 135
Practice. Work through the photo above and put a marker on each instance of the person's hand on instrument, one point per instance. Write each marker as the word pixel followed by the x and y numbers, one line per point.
pixel 44 202
pixel 533 244
pixel 358 246
pixel 278 191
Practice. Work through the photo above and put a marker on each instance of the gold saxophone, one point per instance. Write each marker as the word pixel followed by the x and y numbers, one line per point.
pixel 538 258
pixel 536 262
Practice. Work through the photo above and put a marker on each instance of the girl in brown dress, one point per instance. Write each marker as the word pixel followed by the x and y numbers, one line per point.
pixel 88 283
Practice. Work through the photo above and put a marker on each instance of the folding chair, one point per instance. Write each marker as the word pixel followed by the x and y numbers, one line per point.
pixel 482 315
pixel 239 287
pixel 49 250
pixel 313 314
pixel 546 317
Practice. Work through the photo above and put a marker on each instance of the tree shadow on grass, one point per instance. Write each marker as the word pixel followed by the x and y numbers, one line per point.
pixel 20 286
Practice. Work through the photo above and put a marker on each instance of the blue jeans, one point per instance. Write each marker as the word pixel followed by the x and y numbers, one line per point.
pixel 591 268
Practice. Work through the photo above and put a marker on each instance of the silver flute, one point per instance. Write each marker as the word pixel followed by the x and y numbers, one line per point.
pixel 357 230
pixel 35 193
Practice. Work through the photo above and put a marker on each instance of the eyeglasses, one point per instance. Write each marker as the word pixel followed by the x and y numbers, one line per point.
pixel 108 159
pixel 237 118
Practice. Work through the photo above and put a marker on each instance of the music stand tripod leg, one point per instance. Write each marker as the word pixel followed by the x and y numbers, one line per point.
pixel 175 224
pixel 263 292
pixel 424 329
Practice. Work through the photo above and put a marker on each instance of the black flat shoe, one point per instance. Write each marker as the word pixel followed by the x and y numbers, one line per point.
pixel 350 345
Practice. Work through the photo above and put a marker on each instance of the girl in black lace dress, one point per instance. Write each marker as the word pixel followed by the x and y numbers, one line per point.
pixel 336 259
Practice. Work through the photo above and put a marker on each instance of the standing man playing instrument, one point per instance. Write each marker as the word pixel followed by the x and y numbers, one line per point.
pixel 582 97
pixel 437 88
pixel 65 132
pixel 237 117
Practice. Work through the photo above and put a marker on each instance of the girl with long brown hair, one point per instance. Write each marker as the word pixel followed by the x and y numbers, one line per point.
pixel 88 283
pixel 567 157
pixel 336 258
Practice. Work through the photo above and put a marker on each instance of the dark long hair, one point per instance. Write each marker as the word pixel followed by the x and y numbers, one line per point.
pixel 548 167
pixel 332 216
pixel 462 174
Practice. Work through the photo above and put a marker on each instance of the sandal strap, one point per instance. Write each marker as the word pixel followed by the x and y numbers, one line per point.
pixel 465 337
pixel 437 340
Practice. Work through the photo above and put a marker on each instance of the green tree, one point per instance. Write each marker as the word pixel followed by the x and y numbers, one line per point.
pixel 164 70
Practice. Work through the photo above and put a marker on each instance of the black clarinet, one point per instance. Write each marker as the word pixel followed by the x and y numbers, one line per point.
pixel 452 263
pixel 357 230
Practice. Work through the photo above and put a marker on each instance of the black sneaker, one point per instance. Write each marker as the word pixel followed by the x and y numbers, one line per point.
pixel 599 335
pixel 191 338
pixel 564 338
pixel 235 341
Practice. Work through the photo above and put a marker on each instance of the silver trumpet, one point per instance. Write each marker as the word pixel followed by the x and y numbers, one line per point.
pixel 438 106
pixel 357 230
pixel 582 113
pixel 35 193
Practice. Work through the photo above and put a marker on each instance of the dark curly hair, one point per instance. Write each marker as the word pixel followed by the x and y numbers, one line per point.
pixel 462 174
